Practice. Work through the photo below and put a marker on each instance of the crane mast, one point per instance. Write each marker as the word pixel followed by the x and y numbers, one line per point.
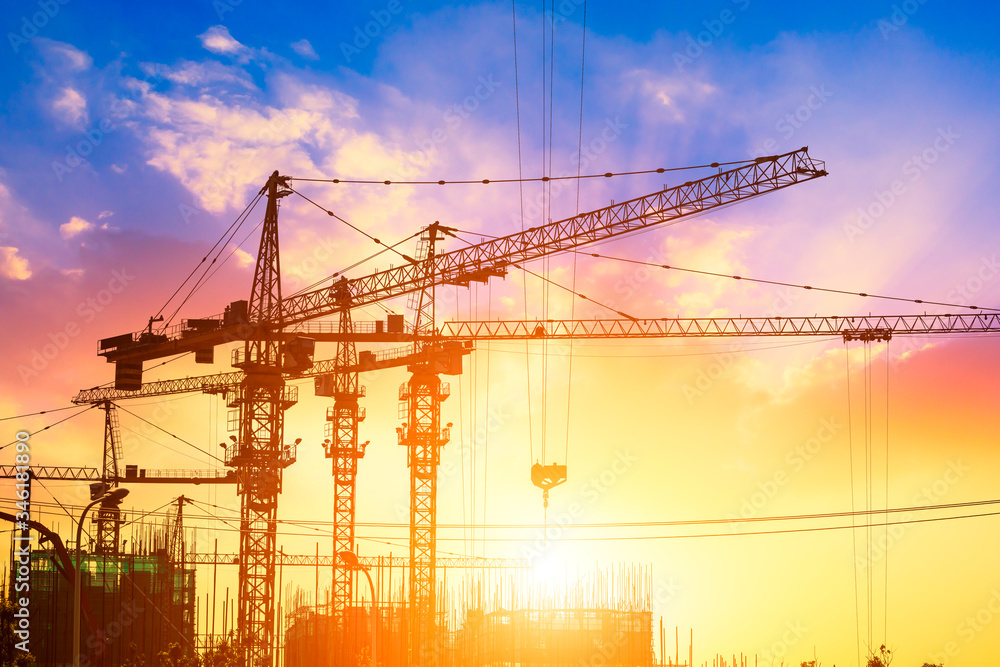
pixel 270 353
pixel 259 455
pixel 109 515
pixel 342 446
pixel 422 435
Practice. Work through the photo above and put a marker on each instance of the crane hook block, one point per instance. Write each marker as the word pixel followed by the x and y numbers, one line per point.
pixel 548 477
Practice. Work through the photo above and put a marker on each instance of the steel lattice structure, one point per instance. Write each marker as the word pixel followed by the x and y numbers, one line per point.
pixel 258 454
pixel 109 516
pixel 260 392
pixel 343 448
pixel 312 560
pixel 850 327
pixel 423 438
pixel 492 258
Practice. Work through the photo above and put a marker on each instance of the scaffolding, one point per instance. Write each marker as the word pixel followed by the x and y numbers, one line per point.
pixel 555 637
pixel 140 600
pixel 493 618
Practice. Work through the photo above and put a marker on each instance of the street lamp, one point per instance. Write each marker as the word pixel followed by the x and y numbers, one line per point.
pixel 115 495
pixel 352 561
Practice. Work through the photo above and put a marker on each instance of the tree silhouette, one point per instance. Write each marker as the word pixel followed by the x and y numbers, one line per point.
pixel 9 654
pixel 223 654
pixel 135 658
pixel 880 658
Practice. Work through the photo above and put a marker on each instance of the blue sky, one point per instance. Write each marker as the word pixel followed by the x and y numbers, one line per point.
pixel 182 115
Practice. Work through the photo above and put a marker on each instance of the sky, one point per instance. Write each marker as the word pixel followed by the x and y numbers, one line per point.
pixel 132 137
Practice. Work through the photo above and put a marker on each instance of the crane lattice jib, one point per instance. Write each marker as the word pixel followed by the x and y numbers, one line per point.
pixel 850 328
pixel 697 327
pixel 492 258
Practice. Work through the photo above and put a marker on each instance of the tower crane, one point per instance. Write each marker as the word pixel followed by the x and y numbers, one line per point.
pixel 262 395
pixel 109 516
pixel 459 336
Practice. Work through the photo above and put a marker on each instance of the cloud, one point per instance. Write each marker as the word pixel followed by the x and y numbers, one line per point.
pixel 305 49
pixel 71 108
pixel 243 258
pixel 74 227
pixel 189 73
pixel 12 265
pixel 64 56
pixel 105 214
pixel 214 144
pixel 218 40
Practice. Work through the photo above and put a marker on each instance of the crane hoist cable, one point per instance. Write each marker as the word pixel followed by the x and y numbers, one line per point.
pixel 885 630
pixel 520 188
pixel 579 167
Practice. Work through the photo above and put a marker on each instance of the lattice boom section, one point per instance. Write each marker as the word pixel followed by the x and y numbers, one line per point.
pixel 493 257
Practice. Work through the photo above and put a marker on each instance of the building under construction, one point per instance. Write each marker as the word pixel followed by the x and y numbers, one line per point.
pixel 603 619
pixel 133 605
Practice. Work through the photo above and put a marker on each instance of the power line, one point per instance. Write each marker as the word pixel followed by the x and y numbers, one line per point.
pixel 870 513
pixel 41 412
pixel 89 407
pixel 622 538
